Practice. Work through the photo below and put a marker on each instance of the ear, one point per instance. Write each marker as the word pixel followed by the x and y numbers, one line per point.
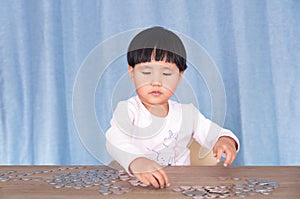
pixel 130 72
pixel 181 75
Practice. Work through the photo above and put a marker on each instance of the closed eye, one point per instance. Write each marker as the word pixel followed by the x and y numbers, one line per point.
pixel 167 74
pixel 146 73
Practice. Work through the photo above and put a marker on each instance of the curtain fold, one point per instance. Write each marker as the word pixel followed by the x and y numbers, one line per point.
pixel 43 45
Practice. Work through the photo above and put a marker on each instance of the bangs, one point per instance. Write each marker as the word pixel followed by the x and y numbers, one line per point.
pixel 157 44
pixel 152 54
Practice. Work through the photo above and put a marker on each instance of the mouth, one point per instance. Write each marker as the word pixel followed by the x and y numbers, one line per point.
pixel 155 93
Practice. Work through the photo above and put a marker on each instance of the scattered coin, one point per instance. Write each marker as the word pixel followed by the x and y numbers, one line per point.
pixel 177 189
pixel 105 179
pixel 4 178
pixel 252 186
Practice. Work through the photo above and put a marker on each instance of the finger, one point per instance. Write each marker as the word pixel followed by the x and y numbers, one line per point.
pixel 143 179
pixel 153 181
pixel 160 179
pixel 220 152
pixel 215 152
pixel 165 177
pixel 228 159
pixel 233 156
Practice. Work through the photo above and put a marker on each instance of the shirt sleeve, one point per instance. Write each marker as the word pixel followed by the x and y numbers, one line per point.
pixel 207 132
pixel 120 143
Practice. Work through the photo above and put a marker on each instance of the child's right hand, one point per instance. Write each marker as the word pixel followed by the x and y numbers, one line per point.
pixel 149 172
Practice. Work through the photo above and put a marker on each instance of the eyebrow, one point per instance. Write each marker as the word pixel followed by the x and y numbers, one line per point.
pixel 151 66
pixel 147 67
pixel 167 68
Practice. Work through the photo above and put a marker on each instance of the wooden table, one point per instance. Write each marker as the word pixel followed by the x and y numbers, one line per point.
pixel 288 179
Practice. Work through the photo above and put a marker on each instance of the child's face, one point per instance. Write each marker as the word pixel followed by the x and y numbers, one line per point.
pixel 155 82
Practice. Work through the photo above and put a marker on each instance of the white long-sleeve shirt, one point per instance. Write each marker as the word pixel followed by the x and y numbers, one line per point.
pixel 135 132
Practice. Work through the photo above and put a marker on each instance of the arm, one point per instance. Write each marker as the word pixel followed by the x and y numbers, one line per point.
pixel 149 172
pixel 122 145
pixel 212 136
pixel 119 142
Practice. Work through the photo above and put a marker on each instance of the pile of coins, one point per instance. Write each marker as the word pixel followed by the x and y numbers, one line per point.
pixel 252 186
pixel 107 181
pixel 84 178
pixel 25 176
pixel 132 180
pixel 197 191
pixel 105 178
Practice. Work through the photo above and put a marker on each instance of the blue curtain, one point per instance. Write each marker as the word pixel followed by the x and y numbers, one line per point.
pixel 255 46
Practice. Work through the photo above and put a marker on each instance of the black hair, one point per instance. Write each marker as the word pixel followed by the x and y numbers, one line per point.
pixel 157 44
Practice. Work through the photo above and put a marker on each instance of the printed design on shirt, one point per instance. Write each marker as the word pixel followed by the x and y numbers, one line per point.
pixel 171 137
pixel 166 156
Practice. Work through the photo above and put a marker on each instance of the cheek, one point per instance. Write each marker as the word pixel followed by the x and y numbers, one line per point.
pixel 170 84
pixel 142 91
pixel 141 83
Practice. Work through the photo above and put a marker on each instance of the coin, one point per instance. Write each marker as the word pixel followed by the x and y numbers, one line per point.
pixel 106 178
pixel 177 189
pixel 4 178
pixel 236 178
pixel 222 178
pixel 198 197
pixel 185 187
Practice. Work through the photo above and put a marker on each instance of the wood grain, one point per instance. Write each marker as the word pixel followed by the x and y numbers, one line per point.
pixel 288 179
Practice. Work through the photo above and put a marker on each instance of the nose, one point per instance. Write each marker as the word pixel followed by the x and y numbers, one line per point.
pixel 156 79
pixel 155 84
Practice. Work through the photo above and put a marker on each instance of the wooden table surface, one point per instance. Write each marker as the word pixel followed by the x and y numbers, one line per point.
pixel 288 179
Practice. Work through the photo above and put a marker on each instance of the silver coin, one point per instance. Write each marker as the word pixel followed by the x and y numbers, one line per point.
pixel 135 184
pixel 12 175
pixel 224 196
pixel 177 189
pixel 266 192
pixel 241 195
pixel 4 178
pixel 106 183
pixel 185 187
pixel 188 193
pixel 48 180
pixel 96 183
pixel 36 179
pixel 209 195
pixel 78 187
pixel 143 185
pixel 26 179
pixel 119 192
pixel 58 186
pixel 199 193
pixel 124 178
pixel 69 185
pixel 126 189
pixel 10 171
pixel 198 197
pixel 46 171
pixel 222 178
pixel 252 192
pixel 87 185
pixel 105 192
pixel 236 178
pixel 197 187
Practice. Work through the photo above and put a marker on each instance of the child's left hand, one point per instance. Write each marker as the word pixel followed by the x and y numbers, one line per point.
pixel 228 146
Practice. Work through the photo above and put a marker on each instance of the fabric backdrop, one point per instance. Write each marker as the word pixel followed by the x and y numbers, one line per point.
pixel 255 46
